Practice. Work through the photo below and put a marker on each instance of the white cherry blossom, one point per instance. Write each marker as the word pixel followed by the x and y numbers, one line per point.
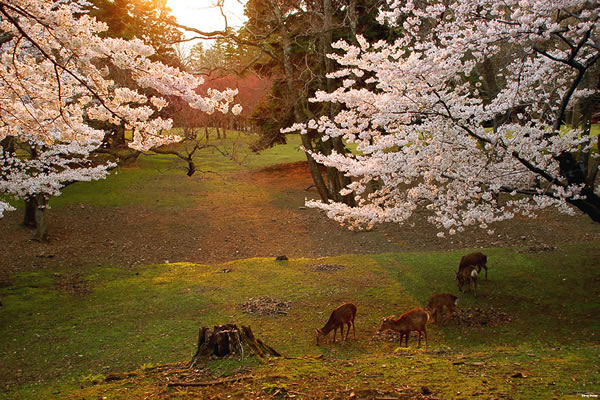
pixel 425 135
pixel 54 80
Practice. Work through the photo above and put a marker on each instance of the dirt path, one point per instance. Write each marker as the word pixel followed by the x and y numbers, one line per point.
pixel 261 214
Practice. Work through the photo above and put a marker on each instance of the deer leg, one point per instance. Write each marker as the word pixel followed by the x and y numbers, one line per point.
pixel 419 343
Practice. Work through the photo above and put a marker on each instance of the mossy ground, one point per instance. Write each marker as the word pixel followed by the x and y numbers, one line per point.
pixel 72 317
pixel 61 345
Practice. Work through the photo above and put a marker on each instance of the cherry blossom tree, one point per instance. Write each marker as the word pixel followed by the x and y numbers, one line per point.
pixel 430 130
pixel 54 85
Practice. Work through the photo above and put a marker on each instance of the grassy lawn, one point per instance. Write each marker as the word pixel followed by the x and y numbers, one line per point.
pixel 63 332
pixel 56 344
pixel 151 176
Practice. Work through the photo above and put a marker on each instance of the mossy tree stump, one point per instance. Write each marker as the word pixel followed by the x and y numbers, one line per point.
pixel 228 339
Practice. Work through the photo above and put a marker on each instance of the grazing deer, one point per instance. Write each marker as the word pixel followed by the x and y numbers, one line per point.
pixel 343 315
pixel 477 259
pixel 467 276
pixel 413 320
pixel 439 301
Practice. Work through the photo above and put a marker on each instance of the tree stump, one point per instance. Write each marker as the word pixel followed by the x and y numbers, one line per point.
pixel 228 339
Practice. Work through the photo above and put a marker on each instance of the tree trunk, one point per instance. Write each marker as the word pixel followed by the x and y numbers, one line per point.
pixel 41 223
pixel 315 170
pixel 336 180
pixel 353 18
pixel 490 85
pixel 313 166
pixel 118 138
pixel 29 217
pixel 589 163
pixel 225 340
pixel 576 174
pixel 590 206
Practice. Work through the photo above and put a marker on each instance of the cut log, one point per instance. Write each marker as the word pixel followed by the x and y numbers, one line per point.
pixel 226 340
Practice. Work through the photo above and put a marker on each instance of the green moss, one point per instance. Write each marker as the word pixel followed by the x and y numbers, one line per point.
pixel 151 315
pixel 54 341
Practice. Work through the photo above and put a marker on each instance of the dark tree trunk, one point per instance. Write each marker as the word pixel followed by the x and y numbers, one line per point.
pixel 315 170
pixel 336 180
pixel 589 206
pixel 313 166
pixel 118 139
pixel 576 174
pixel 491 86
pixel 225 340
pixel 29 217
pixel 588 163
pixel 41 223
pixel 35 216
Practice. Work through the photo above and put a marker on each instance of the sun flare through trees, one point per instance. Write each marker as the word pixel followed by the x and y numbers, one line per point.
pixel 56 84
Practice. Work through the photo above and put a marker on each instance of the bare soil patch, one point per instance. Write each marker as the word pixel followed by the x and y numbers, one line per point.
pixel 325 267
pixel 266 306
pixel 267 221
pixel 480 317
pixel 72 283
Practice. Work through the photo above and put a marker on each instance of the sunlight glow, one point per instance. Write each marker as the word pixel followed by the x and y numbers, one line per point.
pixel 206 16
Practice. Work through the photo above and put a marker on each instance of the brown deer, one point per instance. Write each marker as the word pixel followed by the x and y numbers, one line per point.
pixel 477 259
pixel 439 301
pixel 343 315
pixel 413 320
pixel 467 276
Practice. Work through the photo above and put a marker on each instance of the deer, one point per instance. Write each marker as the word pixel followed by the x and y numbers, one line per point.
pixel 413 320
pixel 343 315
pixel 479 260
pixel 467 276
pixel 439 301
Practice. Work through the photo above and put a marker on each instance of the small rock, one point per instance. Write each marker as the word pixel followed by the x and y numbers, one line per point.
pixel 426 391
pixel 281 258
